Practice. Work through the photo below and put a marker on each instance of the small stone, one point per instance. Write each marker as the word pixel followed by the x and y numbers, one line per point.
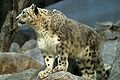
pixel 29 45
pixel 14 47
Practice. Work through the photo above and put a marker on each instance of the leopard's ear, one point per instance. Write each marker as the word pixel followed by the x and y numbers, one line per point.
pixel 34 8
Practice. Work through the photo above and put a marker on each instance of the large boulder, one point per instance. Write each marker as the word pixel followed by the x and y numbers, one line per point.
pixel 115 71
pixel 24 75
pixel 109 37
pixel 11 62
pixel 63 76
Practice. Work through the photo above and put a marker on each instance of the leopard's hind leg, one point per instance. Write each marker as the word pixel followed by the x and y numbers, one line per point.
pixel 86 64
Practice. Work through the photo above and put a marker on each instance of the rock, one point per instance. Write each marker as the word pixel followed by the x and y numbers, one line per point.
pixel 29 49
pixel 14 47
pixel 24 75
pixel 11 62
pixel 117 23
pixel 110 35
pixel 107 30
pixel 109 51
pixel 29 45
pixel 25 34
pixel 116 27
pixel 63 76
pixel 35 53
pixel 109 39
pixel 115 71
pixel 101 26
pixel 4 76
pixel 30 73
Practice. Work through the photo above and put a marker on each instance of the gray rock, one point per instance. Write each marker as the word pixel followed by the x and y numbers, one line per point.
pixel 29 45
pixel 109 51
pixel 30 73
pixel 115 71
pixel 109 39
pixel 111 35
pixel 116 26
pixel 25 33
pixel 101 26
pixel 14 47
pixel 24 75
pixel 107 30
pixel 35 53
pixel 4 76
pixel 16 62
pixel 63 76
pixel 29 49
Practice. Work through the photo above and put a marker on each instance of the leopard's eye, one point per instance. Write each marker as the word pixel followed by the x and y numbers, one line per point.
pixel 23 12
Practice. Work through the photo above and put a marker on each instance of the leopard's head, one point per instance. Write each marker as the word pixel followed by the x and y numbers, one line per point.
pixel 41 18
pixel 28 15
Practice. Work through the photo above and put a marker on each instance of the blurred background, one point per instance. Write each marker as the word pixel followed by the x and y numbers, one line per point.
pixel 86 11
pixel 89 12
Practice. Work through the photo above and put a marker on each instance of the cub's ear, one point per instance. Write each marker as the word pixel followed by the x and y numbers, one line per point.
pixel 34 8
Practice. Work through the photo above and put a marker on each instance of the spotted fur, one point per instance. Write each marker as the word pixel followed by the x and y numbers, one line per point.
pixel 60 37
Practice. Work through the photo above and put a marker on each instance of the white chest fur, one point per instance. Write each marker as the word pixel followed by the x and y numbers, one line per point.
pixel 48 43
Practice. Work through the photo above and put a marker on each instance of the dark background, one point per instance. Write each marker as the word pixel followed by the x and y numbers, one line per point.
pixel 86 11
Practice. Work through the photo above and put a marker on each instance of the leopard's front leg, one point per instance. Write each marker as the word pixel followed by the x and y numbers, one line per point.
pixel 49 60
pixel 62 59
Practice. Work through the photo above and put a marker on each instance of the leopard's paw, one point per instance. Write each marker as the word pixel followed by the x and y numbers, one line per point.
pixel 44 74
pixel 59 68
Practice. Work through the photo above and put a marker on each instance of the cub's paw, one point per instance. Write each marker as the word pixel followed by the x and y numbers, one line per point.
pixel 59 68
pixel 44 74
